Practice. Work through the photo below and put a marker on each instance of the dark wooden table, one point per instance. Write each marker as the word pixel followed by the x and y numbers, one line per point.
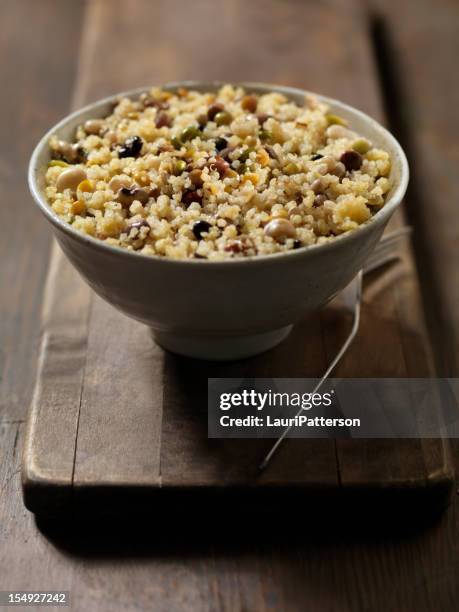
pixel 60 53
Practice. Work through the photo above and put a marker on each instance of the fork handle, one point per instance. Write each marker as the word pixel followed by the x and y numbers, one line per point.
pixel 331 367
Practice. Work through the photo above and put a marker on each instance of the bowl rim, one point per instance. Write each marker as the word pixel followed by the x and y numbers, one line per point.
pixel 380 218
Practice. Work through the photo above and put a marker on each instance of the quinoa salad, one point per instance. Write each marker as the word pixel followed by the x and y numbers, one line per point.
pixel 221 175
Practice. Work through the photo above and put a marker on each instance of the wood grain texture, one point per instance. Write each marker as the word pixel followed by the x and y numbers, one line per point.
pixel 392 339
pixel 422 97
pixel 387 328
pixel 120 418
pixel 189 458
pixel 291 564
pixel 37 72
pixel 53 419
pixel 27 109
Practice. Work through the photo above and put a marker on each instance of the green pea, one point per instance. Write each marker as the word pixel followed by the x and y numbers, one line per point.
pixel 189 133
pixel 265 135
pixel 361 145
pixel 176 142
pixel 223 118
pixel 180 166
pixel 245 155
pixel 335 120
pixel 291 168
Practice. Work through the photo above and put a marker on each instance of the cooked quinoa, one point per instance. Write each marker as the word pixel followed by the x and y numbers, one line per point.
pixel 217 175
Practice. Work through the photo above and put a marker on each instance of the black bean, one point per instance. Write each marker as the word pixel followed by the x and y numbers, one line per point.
pixel 131 147
pixel 200 227
pixel 221 143
pixel 351 159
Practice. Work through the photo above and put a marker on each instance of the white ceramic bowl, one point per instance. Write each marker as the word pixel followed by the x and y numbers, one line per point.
pixel 229 309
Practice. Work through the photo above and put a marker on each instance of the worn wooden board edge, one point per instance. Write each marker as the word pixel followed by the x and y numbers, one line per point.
pixel 426 483
pixel 48 493
pixel 48 500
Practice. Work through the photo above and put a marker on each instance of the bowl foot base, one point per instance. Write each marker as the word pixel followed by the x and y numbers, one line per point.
pixel 220 348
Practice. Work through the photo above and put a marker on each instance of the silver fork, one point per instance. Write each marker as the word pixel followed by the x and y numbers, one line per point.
pixel 384 253
pixel 385 250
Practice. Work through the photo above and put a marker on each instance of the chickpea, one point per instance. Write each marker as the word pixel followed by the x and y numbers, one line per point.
pixel 338 131
pixel 71 153
pixel 117 183
pixel 94 126
pixel 317 186
pixel 111 137
pixel 280 229
pixel 339 170
pixel 70 179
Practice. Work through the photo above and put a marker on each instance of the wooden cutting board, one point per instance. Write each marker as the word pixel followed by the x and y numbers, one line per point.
pixel 115 422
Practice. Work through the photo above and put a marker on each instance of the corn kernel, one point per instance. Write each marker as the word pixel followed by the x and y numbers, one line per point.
pixel 263 157
pixel 85 186
pixel 78 207
pixel 59 163
pixel 253 178
pixel 141 178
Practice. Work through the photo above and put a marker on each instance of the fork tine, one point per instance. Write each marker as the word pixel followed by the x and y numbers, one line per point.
pixel 384 251
pixel 406 230
pixel 377 263
pixel 381 252
pixel 393 237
